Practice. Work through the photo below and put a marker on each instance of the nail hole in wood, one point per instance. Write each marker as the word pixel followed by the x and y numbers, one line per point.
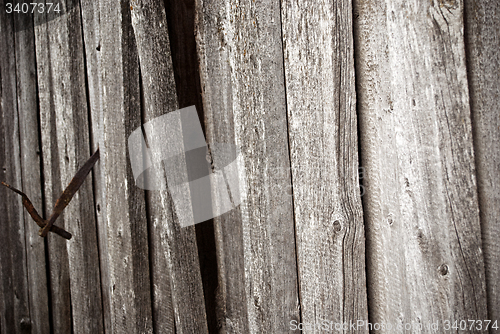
pixel 443 269
pixel 337 226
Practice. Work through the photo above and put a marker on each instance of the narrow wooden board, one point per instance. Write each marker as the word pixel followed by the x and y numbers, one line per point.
pixel 31 173
pixel 483 65
pixel 92 44
pixel 14 286
pixel 125 206
pixel 322 125
pixel 241 68
pixel 425 263
pixel 180 19
pixel 177 286
pixel 74 265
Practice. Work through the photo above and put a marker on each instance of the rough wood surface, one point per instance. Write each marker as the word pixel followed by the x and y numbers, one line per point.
pixel 74 265
pixel 92 43
pixel 31 173
pixel 241 68
pixel 14 287
pixel 425 262
pixel 180 19
pixel 322 126
pixel 177 286
pixel 483 60
pixel 126 221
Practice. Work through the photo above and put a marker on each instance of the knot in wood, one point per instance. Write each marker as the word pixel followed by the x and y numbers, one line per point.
pixel 443 269
pixel 25 323
pixel 390 219
pixel 337 226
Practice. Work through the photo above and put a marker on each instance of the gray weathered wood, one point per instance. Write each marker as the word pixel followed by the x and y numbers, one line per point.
pixel 215 71
pixel 126 220
pixel 180 18
pixel 92 42
pixel 177 287
pixel 74 265
pixel 14 287
pixel 30 168
pixel 483 46
pixel 425 262
pixel 322 126
pixel 241 68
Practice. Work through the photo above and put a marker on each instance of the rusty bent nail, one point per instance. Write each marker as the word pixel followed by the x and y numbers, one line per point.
pixel 69 192
pixel 36 217
pixel 61 203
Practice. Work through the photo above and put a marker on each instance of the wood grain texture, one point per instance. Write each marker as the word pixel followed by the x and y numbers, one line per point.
pixel 215 72
pixel 180 19
pixel 177 285
pixel 322 126
pixel 30 168
pixel 241 68
pixel 126 221
pixel 14 287
pixel 425 262
pixel 74 265
pixel 483 65
pixel 92 44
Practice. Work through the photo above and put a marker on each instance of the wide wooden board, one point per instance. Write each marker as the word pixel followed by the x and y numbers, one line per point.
pixel 322 127
pixel 424 257
pixel 73 265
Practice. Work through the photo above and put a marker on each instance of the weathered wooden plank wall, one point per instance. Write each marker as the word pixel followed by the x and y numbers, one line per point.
pixel 287 82
pixel 14 290
pixel 322 126
pixel 176 279
pixel 74 267
pixel 125 220
pixel 241 61
pixel 27 103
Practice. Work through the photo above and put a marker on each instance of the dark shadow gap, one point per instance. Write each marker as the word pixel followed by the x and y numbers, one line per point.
pixel 16 23
pixel 469 64
pixel 180 19
pixel 148 214
pixel 355 33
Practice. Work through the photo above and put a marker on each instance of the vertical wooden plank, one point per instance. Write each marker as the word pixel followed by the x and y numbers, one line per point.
pixel 215 73
pixel 58 266
pixel 425 263
pixel 14 290
pixel 177 287
pixel 321 101
pixel 483 60
pixel 92 42
pixel 241 68
pixel 74 265
pixel 180 19
pixel 126 220
pixel 30 168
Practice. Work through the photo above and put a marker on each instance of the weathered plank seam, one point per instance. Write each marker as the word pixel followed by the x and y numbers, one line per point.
pixel 299 303
pixel 91 145
pixel 44 196
pixel 22 212
pixel 147 207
